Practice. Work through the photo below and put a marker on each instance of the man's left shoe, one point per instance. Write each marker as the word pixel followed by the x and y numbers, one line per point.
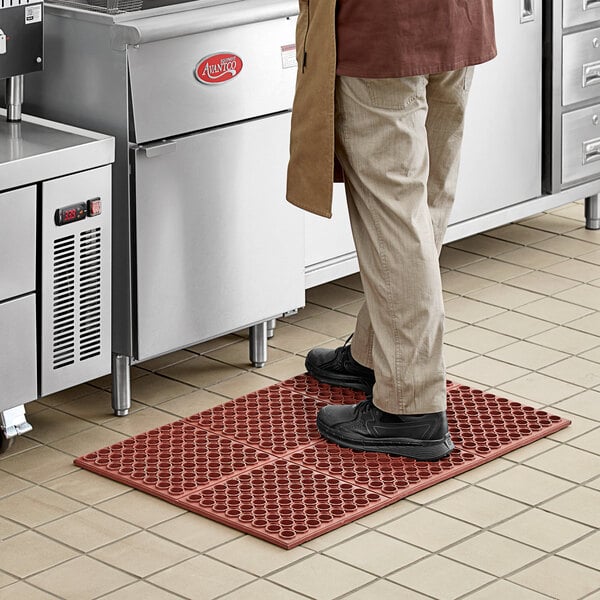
pixel 363 426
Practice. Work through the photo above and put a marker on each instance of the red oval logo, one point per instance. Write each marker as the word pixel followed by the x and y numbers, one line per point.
pixel 218 68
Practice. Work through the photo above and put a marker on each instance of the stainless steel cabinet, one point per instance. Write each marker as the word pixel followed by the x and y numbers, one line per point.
pixel 218 247
pixel 75 282
pixel 574 99
pixel 330 251
pixel 54 270
pixel 204 242
pixel 71 284
pixel 502 149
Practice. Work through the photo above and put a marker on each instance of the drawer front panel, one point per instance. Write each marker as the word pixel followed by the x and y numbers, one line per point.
pixel 218 248
pixel 18 364
pixel 580 12
pixel 581 144
pixel 17 242
pixel 249 71
pixel 581 66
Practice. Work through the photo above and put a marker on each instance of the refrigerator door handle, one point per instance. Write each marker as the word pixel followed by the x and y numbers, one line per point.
pixel 528 11
pixel 587 4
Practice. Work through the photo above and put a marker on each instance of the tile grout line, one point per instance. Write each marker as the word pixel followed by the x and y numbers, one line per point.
pixel 566 443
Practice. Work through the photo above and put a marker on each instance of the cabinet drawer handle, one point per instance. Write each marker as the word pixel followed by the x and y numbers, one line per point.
pixel 158 149
pixel 587 4
pixel 528 11
pixel 591 74
pixel 591 151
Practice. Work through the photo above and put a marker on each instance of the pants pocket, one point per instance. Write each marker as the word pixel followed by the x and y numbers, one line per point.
pixel 395 93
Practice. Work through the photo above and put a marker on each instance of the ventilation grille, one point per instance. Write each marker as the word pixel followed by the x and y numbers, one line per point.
pixel 63 317
pixel 77 319
pixel 89 293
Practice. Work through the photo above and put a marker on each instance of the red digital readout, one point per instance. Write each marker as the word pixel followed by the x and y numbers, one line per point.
pixel 69 215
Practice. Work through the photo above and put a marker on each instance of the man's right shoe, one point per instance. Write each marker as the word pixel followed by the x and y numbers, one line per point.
pixel 364 427
pixel 337 367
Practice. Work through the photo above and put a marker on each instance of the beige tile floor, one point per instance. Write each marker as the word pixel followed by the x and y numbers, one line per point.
pixel 523 320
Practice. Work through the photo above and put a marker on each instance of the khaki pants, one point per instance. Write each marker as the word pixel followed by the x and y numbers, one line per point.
pixel 398 141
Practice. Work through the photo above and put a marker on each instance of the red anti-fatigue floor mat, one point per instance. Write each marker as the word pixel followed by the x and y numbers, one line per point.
pixel 258 463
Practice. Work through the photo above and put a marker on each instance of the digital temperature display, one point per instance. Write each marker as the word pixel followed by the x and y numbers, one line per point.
pixel 69 214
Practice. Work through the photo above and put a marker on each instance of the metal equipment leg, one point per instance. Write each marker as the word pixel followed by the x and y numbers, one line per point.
pixel 258 344
pixel 271 328
pixel 121 384
pixel 592 212
pixel 12 424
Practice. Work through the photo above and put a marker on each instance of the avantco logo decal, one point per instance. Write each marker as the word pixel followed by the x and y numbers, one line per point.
pixel 218 68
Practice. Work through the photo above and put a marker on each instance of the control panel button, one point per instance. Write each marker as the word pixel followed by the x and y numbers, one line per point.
pixel 94 207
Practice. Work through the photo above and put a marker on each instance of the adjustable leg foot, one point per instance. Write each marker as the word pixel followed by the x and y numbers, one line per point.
pixel 271 328
pixel 258 344
pixel 121 384
pixel 592 212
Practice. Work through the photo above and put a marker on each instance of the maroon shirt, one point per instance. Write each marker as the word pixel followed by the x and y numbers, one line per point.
pixel 400 38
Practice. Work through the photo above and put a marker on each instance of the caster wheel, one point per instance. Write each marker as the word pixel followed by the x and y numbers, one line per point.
pixel 5 443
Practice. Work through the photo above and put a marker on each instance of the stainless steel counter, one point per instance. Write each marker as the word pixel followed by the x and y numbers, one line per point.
pixel 36 149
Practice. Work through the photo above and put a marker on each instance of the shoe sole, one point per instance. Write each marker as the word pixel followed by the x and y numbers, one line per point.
pixel 429 450
pixel 348 381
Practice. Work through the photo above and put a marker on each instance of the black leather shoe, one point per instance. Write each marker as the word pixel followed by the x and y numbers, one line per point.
pixel 363 426
pixel 337 367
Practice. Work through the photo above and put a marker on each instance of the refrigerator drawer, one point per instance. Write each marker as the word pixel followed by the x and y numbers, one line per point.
pixel 581 144
pixel 18 364
pixel 580 12
pixel 581 66
pixel 17 242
